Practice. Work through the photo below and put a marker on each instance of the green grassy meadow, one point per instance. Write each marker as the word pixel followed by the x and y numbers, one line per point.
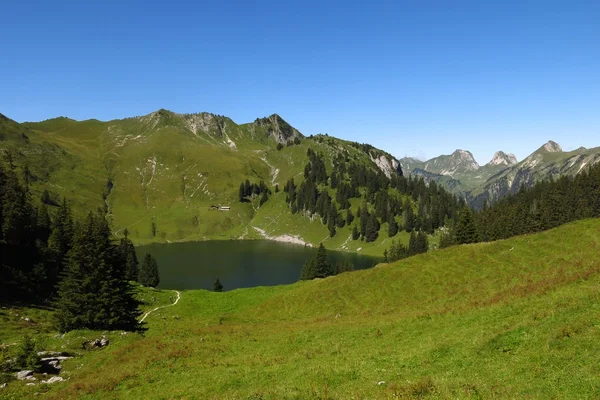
pixel 518 318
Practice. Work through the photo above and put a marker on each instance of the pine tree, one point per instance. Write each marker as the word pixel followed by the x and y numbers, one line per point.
pixel 392 226
pixel 318 267
pixel 355 233
pixel 408 217
pixel 422 242
pixel 412 244
pixel 372 228
pixel 446 240
pixel 465 228
pixel 94 293
pixel 149 275
pixel 349 216
pixel 129 258
pixel 217 286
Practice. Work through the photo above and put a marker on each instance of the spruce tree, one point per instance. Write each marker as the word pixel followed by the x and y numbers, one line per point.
pixel 392 226
pixel 217 285
pixel 318 267
pixel 94 293
pixel 413 247
pixel 372 228
pixel 355 233
pixel 465 228
pixel 349 216
pixel 129 258
pixel 149 275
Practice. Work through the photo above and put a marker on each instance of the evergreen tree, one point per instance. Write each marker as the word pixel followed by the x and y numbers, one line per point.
pixel 408 217
pixel 412 244
pixel 217 286
pixel 422 242
pixel 355 233
pixel 94 293
pixel 149 275
pixel 446 240
pixel 372 229
pixel 349 216
pixel 392 226
pixel 129 257
pixel 318 267
pixel 364 218
pixel 465 228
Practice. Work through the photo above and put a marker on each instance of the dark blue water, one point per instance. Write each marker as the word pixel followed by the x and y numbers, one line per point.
pixel 237 263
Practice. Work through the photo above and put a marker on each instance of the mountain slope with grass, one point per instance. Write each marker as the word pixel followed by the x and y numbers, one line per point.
pixel 164 176
pixel 508 319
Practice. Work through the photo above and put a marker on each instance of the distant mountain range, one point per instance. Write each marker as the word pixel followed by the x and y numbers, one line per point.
pixel 460 172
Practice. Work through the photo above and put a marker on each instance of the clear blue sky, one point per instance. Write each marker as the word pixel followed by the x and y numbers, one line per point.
pixel 415 78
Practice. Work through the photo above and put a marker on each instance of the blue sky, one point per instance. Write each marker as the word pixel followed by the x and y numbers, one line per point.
pixel 418 78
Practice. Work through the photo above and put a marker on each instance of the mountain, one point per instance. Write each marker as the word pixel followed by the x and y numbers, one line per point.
pixel 502 159
pixel 503 175
pixel 547 162
pixel 159 174
pixel 457 163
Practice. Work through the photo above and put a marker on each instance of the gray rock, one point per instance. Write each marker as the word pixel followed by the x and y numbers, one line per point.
pixel 3 385
pixel 54 379
pixel 30 384
pixel 25 375
pixel 97 343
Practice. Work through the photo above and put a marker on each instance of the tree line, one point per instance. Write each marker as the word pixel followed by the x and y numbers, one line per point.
pixel 252 190
pixel 544 206
pixel 47 256
pixel 402 203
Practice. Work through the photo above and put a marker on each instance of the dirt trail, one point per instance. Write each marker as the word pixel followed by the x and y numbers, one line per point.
pixel 158 308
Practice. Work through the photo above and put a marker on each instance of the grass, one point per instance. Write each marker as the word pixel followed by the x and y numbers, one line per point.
pixel 162 171
pixel 511 319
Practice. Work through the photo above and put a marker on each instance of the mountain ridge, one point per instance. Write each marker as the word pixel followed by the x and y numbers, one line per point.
pixel 161 172
pixel 504 174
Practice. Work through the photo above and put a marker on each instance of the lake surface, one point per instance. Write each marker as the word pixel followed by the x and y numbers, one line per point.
pixel 237 263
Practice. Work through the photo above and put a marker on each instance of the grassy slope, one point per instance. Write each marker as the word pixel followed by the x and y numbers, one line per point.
pixel 163 171
pixel 514 318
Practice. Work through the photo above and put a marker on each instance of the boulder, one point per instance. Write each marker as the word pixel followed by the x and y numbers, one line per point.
pixel 26 375
pixel 52 365
pixel 3 385
pixel 54 379
pixel 97 343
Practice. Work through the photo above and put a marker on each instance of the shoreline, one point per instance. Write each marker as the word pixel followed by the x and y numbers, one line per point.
pixel 282 238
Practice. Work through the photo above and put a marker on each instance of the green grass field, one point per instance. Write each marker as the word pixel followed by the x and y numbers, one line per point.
pixel 518 318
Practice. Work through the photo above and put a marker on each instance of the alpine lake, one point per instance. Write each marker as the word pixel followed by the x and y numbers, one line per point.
pixel 237 263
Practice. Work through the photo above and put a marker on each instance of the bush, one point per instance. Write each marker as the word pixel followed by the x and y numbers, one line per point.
pixel 26 356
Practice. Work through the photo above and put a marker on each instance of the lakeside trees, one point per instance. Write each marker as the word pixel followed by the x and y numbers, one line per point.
pixel 46 256
pixel 149 275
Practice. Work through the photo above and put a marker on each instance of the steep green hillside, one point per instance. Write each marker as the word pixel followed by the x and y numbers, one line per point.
pixel 509 319
pixel 158 175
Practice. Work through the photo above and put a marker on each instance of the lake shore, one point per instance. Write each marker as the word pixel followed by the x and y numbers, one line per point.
pixel 282 238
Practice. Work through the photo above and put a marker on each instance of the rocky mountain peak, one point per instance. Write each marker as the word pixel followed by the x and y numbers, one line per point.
pixel 465 158
pixel 552 147
pixel 501 158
